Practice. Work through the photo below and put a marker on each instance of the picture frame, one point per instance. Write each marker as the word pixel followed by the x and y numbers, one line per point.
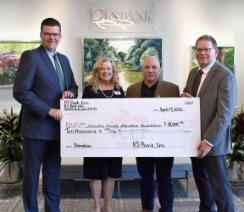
pixel 10 52
pixel 127 54
pixel 226 57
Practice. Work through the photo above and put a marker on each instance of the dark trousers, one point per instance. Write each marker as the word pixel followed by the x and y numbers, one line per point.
pixel 211 178
pixel 146 167
pixel 46 153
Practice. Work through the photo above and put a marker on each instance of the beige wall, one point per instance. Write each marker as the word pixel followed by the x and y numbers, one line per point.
pixel 178 22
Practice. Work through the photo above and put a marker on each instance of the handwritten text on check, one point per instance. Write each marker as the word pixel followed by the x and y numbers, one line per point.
pixel 132 127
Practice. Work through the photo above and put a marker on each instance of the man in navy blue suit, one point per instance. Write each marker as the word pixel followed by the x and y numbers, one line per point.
pixel 38 89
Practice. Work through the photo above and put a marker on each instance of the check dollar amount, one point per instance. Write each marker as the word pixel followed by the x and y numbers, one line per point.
pixel 134 127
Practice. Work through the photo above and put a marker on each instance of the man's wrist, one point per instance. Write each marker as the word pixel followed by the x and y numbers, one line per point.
pixel 208 142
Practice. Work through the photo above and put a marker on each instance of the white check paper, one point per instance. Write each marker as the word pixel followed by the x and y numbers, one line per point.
pixel 130 127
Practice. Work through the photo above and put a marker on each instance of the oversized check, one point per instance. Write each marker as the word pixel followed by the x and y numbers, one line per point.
pixel 129 127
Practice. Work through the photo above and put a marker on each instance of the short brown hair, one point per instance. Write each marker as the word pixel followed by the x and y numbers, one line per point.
pixel 50 22
pixel 209 38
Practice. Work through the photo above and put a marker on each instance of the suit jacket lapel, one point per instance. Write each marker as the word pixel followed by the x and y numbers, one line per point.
pixel 208 78
pixel 160 90
pixel 137 90
pixel 50 66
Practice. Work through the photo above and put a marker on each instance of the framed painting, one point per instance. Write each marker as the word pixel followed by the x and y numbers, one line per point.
pixel 10 52
pixel 226 56
pixel 127 54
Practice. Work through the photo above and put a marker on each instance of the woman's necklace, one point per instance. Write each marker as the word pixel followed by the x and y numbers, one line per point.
pixel 106 95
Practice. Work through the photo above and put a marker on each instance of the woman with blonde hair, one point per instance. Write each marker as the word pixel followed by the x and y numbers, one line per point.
pixel 102 171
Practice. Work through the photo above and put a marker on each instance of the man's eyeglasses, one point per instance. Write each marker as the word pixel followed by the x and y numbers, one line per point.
pixel 51 34
pixel 205 50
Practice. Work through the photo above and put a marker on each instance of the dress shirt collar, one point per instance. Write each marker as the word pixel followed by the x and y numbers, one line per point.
pixel 207 68
pixel 148 92
pixel 50 54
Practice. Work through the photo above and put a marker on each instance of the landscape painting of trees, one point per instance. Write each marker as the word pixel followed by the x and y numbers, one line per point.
pixel 10 53
pixel 126 52
pixel 226 56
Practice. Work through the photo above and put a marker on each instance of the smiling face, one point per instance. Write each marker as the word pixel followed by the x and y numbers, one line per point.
pixel 151 70
pixel 50 37
pixel 105 73
pixel 205 53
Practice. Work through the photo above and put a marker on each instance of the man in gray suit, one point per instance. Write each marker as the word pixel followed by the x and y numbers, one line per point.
pixel 218 95
pixel 151 86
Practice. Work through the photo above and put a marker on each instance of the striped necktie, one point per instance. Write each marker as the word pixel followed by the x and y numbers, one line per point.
pixel 59 72
pixel 196 83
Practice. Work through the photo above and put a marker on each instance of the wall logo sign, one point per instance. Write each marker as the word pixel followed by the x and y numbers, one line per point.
pixel 120 18
pixel 108 19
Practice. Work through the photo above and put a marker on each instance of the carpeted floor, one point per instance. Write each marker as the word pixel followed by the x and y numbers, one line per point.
pixel 76 196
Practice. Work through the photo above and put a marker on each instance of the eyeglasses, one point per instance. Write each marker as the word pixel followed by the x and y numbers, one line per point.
pixel 204 50
pixel 51 34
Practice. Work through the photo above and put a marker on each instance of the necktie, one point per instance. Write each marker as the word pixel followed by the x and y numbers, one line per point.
pixel 196 83
pixel 59 72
